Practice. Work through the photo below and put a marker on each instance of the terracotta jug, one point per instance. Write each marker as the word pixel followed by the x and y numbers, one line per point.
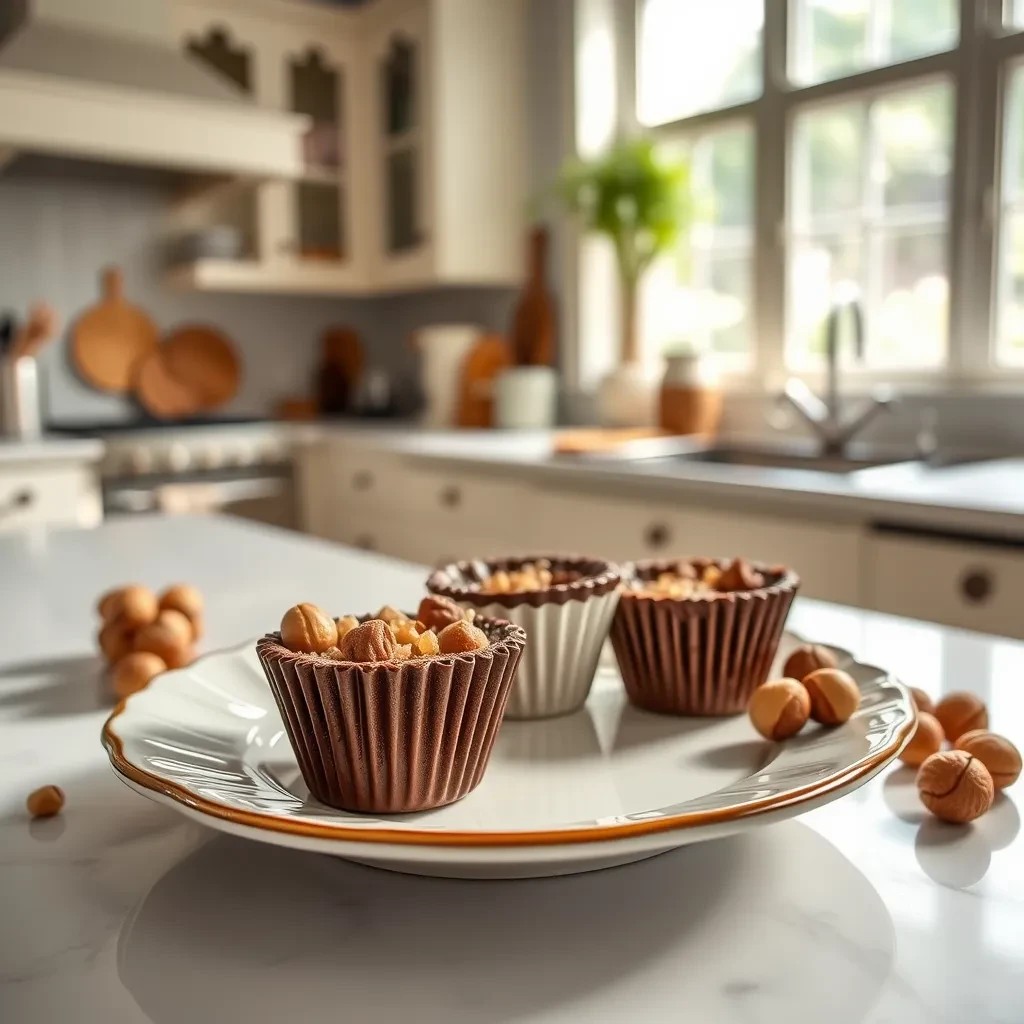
pixel 690 401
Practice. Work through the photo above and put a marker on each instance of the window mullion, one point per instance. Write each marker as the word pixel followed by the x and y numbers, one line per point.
pixel 770 161
pixel 971 232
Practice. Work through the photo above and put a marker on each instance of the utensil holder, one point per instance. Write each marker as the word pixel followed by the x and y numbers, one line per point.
pixel 20 415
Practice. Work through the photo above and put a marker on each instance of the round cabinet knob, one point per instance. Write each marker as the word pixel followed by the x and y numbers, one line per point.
pixel 657 536
pixel 362 480
pixel 451 496
pixel 209 457
pixel 141 460
pixel 247 455
pixel 18 500
pixel 179 458
pixel 977 586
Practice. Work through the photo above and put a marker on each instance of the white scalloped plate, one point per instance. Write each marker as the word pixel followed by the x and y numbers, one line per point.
pixel 605 786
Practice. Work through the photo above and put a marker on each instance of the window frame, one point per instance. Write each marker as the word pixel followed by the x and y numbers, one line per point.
pixel 979 66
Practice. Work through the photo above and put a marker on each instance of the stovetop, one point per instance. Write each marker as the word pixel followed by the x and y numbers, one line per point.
pixel 104 428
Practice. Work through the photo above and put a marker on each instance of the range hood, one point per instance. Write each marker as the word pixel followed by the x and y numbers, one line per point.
pixel 105 80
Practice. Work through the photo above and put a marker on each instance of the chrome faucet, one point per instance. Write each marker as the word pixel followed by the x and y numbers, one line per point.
pixel 825 416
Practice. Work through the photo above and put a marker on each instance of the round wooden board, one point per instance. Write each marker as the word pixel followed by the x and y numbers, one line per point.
pixel 204 361
pixel 160 393
pixel 110 339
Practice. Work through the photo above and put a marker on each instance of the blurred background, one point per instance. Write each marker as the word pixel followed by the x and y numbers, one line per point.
pixel 427 276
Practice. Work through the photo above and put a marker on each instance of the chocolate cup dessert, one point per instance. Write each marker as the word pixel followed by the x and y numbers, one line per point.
pixel 394 736
pixel 699 655
pixel 566 623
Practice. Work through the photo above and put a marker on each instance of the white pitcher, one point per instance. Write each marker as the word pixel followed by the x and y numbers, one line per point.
pixel 443 349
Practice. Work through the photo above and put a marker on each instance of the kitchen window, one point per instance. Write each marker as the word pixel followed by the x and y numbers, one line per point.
pixel 866 147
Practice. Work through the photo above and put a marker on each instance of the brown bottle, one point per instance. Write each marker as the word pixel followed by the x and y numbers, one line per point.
pixel 533 338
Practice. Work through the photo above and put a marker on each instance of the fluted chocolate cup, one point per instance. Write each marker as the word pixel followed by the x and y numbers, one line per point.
pixel 701 655
pixel 566 624
pixel 394 736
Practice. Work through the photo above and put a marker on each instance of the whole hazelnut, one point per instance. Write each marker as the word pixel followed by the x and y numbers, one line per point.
pixel 116 639
pixel 436 612
pixel 137 606
pixel 45 802
pixel 389 614
pixel 134 672
pixel 779 708
pixel 178 623
pixel 345 624
pixel 461 638
pixel 808 658
pixel 926 740
pixel 996 753
pixel 955 786
pixel 834 695
pixel 183 598
pixel 739 575
pixel 370 641
pixel 308 629
pixel 109 603
pixel 960 712
pixel 922 701
pixel 166 643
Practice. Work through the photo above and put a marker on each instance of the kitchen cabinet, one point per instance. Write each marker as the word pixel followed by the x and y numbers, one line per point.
pixel 298 235
pixel 415 153
pixel 948 580
pixel 57 494
pixel 362 494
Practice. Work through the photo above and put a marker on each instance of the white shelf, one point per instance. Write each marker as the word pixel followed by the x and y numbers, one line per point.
pixel 323 176
pixel 310 277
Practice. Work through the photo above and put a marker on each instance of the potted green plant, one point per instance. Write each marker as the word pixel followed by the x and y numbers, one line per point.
pixel 640 200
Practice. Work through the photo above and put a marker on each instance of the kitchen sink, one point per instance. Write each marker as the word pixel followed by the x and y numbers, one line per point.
pixel 767 458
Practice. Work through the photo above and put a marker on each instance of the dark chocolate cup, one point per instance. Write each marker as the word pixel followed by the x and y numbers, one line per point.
pixel 701 655
pixel 391 737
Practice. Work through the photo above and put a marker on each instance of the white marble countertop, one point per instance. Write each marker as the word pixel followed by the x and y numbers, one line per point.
pixel 120 911
pixel 50 449
pixel 982 497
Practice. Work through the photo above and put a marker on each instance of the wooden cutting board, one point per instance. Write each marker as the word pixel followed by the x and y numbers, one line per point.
pixel 484 361
pixel 598 440
pixel 203 360
pixel 110 339
pixel 160 393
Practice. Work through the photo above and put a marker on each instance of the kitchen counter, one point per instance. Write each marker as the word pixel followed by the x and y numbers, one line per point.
pixel 50 449
pixel 980 497
pixel 120 911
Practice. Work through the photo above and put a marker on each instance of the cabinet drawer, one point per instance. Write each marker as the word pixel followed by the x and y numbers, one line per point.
pixel 66 495
pixel 590 524
pixel 367 477
pixel 974 586
pixel 826 556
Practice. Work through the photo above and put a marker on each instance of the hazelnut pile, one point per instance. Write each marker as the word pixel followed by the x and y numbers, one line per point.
pixel 144 634
pixel 701 578
pixel 529 576
pixel 440 627
pixel 960 784
pixel 812 687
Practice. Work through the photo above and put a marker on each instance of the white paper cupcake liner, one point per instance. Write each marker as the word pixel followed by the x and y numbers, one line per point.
pixel 563 648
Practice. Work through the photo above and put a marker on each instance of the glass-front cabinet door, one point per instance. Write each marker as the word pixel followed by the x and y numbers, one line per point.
pixel 401 135
pixel 316 87
pixel 232 56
